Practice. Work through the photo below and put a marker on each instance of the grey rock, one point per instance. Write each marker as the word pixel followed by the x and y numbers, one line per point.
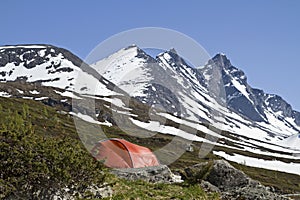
pixel 208 187
pixel 225 176
pixel 157 174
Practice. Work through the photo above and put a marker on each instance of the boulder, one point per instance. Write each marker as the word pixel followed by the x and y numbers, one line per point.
pixel 225 176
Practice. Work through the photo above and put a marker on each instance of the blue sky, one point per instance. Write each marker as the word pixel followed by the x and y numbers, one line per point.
pixel 260 37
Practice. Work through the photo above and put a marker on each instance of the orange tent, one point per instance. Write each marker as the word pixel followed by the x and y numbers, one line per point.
pixel 119 153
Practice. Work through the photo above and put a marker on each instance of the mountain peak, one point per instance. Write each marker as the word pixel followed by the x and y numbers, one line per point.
pixel 220 55
pixel 221 60
pixel 136 52
pixel 172 50
pixel 132 46
pixel 172 57
pixel 170 53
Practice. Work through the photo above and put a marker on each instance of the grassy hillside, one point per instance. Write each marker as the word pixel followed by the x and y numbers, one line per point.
pixel 40 148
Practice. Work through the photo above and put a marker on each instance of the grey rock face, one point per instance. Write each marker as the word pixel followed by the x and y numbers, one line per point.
pixel 256 102
pixel 236 101
pixel 162 98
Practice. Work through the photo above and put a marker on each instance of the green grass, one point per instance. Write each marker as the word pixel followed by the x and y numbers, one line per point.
pixel 45 120
pixel 127 190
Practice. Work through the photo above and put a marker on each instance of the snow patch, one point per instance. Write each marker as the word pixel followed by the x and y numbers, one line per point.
pixel 20 91
pixel 195 125
pixel 90 119
pixel 34 92
pixel 27 98
pixel 157 127
pixel 41 98
pixel 293 168
pixel 4 94
pixel 67 94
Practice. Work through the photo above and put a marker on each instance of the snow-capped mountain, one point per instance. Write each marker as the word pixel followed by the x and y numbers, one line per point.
pixel 173 99
pixel 170 83
pixel 144 78
pixel 50 66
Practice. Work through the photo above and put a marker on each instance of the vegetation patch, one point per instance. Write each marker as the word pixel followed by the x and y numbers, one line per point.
pixel 127 190
pixel 31 162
